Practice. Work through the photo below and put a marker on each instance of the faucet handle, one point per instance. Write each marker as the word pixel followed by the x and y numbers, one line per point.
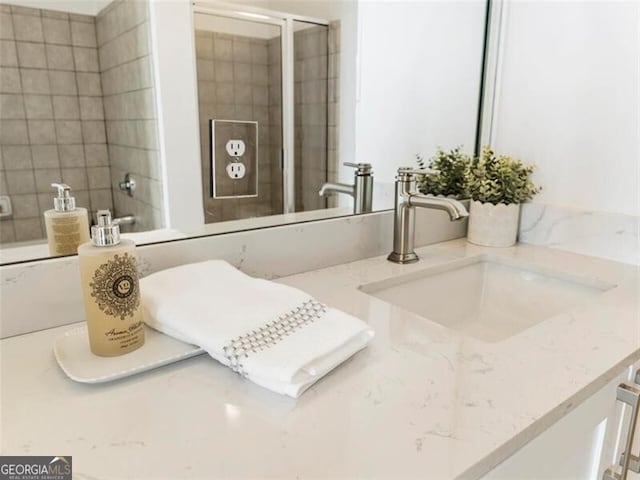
pixel 417 171
pixel 361 168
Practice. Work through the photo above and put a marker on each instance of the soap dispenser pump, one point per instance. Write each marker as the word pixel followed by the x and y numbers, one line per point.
pixel 67 225
pixel 109 274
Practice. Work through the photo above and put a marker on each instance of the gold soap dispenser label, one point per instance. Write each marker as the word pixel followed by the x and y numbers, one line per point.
pixel 111 290
pixel 115 286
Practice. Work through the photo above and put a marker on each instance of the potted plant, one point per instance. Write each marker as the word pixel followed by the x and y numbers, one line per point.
pixel 450 182
pixel 497 186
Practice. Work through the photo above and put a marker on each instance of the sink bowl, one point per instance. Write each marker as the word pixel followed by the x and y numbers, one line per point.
pixel 486 298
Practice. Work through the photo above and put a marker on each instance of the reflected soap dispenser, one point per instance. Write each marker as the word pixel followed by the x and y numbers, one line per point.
pixel 109 274
pixel 67 225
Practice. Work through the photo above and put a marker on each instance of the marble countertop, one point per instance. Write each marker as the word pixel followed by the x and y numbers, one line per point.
pixel 422 401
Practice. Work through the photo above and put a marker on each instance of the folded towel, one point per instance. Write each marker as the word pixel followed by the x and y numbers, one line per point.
pixel 275 335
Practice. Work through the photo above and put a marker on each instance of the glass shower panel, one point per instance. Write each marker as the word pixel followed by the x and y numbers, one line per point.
pixel 239 75
pixel 313 94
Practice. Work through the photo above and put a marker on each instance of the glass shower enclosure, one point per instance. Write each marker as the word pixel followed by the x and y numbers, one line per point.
pixel 265 92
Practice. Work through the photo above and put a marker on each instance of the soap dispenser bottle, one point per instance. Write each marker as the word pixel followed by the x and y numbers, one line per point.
pixel 109 274
pixel 67 225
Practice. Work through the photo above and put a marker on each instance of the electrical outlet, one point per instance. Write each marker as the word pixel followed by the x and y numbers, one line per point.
pixel 236 170
pixel 236 148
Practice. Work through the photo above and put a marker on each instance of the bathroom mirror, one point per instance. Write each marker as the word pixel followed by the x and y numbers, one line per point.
pixel 285 93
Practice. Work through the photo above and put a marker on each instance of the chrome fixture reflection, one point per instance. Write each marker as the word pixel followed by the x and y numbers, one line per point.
pixel 361 190
pixel 124 220
pixel 128 185
pixel 6 210
pixel 406 199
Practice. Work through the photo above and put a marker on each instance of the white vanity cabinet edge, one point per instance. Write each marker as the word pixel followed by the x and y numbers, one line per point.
pixel 581 445
pixel 632 379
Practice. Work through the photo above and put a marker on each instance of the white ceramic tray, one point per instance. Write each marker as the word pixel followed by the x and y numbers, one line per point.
pixel 76 360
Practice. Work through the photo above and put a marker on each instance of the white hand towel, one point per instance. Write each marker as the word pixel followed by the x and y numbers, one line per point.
pixel 275 335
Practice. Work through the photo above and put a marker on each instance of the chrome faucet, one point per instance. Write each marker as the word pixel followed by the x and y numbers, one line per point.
pixel 406 199
pixel 361 190
pixel 126 220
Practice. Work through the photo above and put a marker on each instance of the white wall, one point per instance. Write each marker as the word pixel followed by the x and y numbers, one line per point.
pixel 320 9
pixel 83 7
pixel 174 60
pixel 568 100
pixel 324 9
pixel 232 26
pixel 419 80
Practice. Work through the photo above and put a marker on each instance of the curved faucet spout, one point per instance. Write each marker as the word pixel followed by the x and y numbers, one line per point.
pixel 361 190
pixel 454 208
pixel 407 198
pixel 328 188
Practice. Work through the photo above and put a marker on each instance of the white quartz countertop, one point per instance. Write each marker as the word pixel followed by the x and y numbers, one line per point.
pixel 422 401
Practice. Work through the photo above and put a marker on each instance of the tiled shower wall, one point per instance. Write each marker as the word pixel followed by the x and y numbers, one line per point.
pixel 51 116
pixel 333 108
pixel 316 105
pixel 61 76
pixel 233 84
pixel 316 96
pixel 124 50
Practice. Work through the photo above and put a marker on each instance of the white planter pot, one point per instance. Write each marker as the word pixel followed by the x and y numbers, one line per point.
pixel 493 225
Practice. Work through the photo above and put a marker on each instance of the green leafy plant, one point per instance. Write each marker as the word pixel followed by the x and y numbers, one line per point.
pixel 450 182
pixel 499 179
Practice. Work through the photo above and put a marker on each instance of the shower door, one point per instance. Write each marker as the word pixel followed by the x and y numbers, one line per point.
pixel 311 103
pixel 239 71
pixel 272 70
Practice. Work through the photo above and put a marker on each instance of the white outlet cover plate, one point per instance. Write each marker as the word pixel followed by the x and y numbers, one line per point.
pixel 224 137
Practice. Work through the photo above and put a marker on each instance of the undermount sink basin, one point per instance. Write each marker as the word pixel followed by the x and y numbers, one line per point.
pixel 484 297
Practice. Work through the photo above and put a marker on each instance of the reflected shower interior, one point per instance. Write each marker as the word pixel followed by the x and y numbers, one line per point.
pixel 243 77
